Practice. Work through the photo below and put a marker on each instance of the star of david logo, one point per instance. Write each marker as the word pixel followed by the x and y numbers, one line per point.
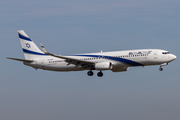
pixel 28 45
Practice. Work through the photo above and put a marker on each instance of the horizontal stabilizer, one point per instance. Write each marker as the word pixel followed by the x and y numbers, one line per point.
pixel 22 60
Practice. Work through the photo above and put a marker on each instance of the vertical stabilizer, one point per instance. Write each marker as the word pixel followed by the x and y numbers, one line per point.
pixel 30 49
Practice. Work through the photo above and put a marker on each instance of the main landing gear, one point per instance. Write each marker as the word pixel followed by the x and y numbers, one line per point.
pixel 100 74
pixel 90 73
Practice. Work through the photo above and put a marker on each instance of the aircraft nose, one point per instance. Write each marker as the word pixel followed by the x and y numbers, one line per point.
pixel 173 57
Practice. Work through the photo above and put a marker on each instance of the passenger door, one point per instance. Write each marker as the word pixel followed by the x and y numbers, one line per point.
pixel 155 54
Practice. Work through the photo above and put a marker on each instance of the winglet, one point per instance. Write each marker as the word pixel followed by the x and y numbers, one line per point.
pixel 44 49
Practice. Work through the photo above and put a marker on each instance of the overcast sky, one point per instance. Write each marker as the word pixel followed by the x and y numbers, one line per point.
pixel 70 27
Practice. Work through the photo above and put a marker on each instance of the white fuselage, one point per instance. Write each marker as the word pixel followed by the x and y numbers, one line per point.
pixel 128 58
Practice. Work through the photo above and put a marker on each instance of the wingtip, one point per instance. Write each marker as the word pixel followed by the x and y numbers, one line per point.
pixel 42 45
pixel 44 49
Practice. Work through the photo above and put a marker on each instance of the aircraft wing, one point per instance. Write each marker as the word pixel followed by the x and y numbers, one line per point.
pixel 69 60
pixel 21 60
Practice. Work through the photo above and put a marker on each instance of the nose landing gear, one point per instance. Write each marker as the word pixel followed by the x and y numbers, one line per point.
pixel 160 69
pixel 164 64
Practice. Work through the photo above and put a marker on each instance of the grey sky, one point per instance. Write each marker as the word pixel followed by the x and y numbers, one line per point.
pixel 69 27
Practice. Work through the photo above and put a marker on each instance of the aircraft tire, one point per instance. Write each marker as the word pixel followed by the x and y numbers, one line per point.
pixel 90 73
pixel 100 74
pixel 160 69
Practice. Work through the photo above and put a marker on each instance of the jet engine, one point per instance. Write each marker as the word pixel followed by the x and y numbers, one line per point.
pixel 103 66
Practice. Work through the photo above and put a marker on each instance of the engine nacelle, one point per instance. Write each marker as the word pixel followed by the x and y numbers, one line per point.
pixel 103 66
pixel 119 69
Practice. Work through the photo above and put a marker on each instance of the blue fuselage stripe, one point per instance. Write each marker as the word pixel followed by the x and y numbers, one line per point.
pixel 129 62
pixel 24 38
pixel 126 61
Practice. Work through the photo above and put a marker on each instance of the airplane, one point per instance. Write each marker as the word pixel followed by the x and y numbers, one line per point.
pixel 116 61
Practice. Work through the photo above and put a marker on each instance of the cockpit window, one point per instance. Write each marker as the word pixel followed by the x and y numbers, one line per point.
pixel 165 52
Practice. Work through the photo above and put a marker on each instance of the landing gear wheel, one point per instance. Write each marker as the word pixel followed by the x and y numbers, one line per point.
pixel 90 73
pixel 160 69
pixel 100 74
